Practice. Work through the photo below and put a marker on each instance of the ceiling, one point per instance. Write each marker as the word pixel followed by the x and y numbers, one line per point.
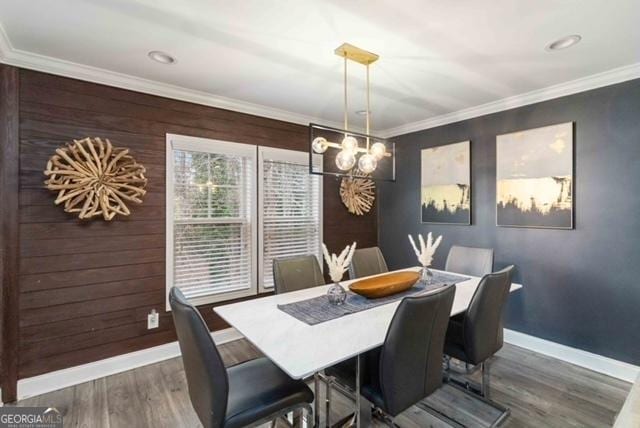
pixel 276 57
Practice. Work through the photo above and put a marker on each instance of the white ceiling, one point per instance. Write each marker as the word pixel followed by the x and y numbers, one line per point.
pixel 437 57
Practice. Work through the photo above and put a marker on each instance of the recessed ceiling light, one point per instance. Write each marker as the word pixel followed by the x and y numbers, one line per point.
pixel 563 43
pixel 361 112
pixel 161 57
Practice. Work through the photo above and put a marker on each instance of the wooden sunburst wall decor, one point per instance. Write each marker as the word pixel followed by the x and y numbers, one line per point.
pixel 357 194
pixel 93 178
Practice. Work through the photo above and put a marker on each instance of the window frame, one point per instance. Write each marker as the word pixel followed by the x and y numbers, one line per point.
pixel 206 145
pixel 289 156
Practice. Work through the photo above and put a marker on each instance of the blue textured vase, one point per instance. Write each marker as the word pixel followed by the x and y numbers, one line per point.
pixel 336 294
pixel 426 276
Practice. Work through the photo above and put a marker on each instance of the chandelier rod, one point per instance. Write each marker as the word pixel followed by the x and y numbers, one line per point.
pixel 368 107
pixel 346 112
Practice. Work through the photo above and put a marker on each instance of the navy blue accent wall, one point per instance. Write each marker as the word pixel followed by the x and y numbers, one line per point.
pixel 581 286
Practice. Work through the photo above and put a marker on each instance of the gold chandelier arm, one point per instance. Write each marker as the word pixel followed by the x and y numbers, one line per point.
pixel 346 112
pixel 368 106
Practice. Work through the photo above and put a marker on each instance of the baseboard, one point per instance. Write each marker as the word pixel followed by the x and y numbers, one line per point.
pixel 597 363
pixel 75 375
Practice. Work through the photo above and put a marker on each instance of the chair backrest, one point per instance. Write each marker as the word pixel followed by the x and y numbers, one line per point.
pixel 206 374
pixel 470 260
pixel 482 328
pixel 411 357
pixel 367 261
pixel 295 273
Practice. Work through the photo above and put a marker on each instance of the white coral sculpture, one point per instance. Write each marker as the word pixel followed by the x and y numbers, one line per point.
pixel 426 252
pixel 338 264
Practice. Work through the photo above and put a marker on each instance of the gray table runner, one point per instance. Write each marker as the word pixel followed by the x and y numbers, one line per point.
pixel 318 309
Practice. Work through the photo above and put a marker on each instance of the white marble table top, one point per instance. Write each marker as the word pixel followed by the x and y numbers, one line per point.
pixel 302 350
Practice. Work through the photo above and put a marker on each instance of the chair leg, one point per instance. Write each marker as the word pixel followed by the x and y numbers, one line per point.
pixel 455 377
pixel 482 392
pixel 439 415
pixel 301 413
pixel 504 411
pixel 485 388
pixel 364 413
pixel 457 368
pixel 380 415
pixel 447 368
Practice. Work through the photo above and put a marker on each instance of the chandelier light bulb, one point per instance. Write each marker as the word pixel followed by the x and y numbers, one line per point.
pixel 319 145
pixel 367 163
pixel 349 144
pixel 378 150
pixel 345 160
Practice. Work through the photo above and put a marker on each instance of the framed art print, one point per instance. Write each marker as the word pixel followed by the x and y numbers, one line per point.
pixel 446 184
pixel 534 177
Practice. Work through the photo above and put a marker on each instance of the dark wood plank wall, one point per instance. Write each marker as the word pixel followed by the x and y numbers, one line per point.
pixel 9 149
pixel 86 287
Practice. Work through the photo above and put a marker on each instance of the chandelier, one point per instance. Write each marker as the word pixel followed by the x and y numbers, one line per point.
pixel 342 152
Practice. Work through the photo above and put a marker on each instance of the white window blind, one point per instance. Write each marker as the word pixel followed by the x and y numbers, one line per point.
pixel 211 201
pixel 290 209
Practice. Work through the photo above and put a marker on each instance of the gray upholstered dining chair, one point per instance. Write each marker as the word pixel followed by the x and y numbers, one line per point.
pixel 408 366
pixel 367 261
pixel 295 273
pixel 476 335
pixel 470 261
pixel 248 394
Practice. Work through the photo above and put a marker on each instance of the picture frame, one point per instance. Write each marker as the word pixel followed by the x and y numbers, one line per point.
pixel 445 184
pixel 535 179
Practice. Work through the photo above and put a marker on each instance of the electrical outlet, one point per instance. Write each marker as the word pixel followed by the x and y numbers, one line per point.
pixel 153 319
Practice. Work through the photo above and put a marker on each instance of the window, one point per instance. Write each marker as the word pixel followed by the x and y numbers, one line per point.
pixel 211 233
pixel 290 207
pixel 231 209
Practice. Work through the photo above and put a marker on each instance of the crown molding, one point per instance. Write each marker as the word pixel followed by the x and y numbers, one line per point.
pixel 606 78
pixel 23 59
pixel 19 58
pixel 5 45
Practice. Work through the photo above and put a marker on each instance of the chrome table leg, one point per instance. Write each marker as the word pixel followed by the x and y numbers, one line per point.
pixel 328 402
pixel 316 401
pixel 358 391
pixel 363 406
pixel 297 418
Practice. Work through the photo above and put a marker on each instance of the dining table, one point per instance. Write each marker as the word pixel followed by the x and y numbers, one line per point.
pixel 303 351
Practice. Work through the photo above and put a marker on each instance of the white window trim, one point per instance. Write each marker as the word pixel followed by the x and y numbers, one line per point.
pixel 283 155
pixel 182 142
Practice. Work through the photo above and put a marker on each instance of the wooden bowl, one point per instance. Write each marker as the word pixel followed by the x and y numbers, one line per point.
pixel 385 285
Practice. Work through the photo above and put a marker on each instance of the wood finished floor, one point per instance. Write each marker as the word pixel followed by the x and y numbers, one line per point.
pixel 541 392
